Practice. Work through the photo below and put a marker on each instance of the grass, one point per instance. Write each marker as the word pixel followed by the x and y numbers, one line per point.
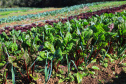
pixel 61 15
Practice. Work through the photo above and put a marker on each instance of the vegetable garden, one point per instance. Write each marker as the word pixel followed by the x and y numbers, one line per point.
pixel 72 42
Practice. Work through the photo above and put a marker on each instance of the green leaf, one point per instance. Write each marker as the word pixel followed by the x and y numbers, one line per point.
pixel 37 39
pixel 34 77
pixel 50 47
pixel 80 68
pixel 58 54
pixel 17 33
pixel 105 65
pixel 60 81
pixel 41 55
pixel 69 46
pixel 51 38
pixel 2 64
pixel 28 42
pixel 14 47
pixel 102 37
pixel 67 38
pixel 67 78
pixel 95 68
pixel 59 75
pixel 92 72
pixel 84 74
pixel 93 61
pixel 11 59
pixel 79 77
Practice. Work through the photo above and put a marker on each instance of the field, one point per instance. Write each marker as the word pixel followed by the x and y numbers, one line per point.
pixel 81 44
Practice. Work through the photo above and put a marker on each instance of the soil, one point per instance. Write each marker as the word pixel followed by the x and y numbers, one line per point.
pixel 112 74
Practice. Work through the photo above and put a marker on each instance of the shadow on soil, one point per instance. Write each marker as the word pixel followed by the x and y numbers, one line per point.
pixel 120 80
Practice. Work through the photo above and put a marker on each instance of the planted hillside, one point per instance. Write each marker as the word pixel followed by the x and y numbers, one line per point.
pixel 80 16
pixel 38 15
pixel 73 44
pixel 89 15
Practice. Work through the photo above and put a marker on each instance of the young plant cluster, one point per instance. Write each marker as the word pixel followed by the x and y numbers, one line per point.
pixel 74 44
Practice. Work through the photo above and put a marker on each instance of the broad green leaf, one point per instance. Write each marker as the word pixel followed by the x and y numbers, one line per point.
pixel 67 38
pixel 102 37
pixel 79 77
pixel 51 38
pixel 58 54
pixel 17 33
pixel 14 46
pixel 37 39
pixel 41 55
pixel 28 42
pixel 50 47
pixel 69 47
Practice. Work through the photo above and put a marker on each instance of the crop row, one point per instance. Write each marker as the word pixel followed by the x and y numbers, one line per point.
pixel 74 43
pixel 80 16
pixel 65 9
pixel 14 9
pixel 89 14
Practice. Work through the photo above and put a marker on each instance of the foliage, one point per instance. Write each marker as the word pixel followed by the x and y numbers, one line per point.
pixel 74 43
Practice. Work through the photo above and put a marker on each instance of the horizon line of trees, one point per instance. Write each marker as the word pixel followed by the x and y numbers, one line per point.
pixel 45 3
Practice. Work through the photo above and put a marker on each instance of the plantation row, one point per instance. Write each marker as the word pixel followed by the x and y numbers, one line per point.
pixel 89 15
pixel 65 9
pixel 14 9
pixel 74 42
pixel 80 16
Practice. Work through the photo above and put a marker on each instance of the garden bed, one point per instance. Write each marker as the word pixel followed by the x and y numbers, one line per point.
pixel 68 50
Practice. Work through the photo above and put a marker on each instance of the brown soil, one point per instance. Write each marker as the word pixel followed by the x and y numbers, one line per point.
pixel 103 76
